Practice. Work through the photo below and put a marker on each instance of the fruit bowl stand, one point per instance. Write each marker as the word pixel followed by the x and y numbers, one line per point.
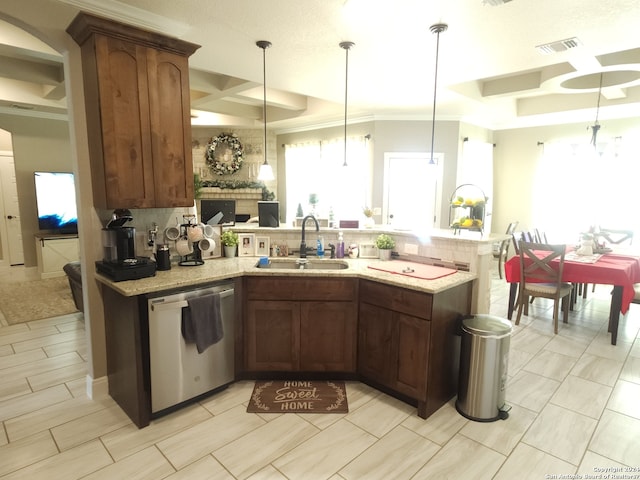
pixel 467 208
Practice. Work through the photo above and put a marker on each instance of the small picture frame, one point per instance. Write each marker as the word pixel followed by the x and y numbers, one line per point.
pixel 262 246
pixel 246 244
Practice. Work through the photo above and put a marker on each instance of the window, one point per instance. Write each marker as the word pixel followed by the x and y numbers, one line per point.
pixel 584 188
pixel 317 168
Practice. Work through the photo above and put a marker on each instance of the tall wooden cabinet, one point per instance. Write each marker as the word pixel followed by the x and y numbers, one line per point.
pixel 138 114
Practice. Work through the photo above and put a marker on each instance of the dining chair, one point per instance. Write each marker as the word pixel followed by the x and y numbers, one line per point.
pixel 613 237
pixel 540 237
pixel 539 278
pixel 503 252
pixel 636 296
pixel 521 235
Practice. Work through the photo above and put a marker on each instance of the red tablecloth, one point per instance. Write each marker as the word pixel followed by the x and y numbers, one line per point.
pixel 611 269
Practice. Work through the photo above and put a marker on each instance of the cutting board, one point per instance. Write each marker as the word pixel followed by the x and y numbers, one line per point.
pixel 412 269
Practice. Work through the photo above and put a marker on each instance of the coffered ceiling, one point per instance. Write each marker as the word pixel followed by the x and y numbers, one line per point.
pixel 522 63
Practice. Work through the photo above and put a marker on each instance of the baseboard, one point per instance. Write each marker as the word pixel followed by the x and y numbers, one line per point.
pixel 97 387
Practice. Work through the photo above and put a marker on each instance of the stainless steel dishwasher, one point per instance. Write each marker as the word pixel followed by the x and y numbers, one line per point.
pixel 178 372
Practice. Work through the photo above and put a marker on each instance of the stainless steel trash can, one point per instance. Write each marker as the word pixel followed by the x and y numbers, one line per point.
pixel 484 356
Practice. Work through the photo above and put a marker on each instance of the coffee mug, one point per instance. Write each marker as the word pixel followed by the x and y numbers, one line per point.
pixel 194 233
pixel 207 244
pixel 184 247
pixel 172 233
pixel 208 230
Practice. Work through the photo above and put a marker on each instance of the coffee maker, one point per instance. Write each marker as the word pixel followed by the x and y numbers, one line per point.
pixel 119 251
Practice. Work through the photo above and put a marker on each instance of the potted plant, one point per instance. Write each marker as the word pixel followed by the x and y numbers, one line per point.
pixel 385 244
pixel 368 217
pixel 229 239
pixel 313 201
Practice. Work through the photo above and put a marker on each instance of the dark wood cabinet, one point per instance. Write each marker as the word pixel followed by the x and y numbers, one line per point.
pixel 272 335
pixel 408 341
pixel 393 349
pixel 138 114
pixel 300 324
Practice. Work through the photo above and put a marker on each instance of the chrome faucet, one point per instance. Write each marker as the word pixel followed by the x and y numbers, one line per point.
pixel 303 244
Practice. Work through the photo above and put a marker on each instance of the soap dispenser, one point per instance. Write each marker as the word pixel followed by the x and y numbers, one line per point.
pixel 320 248
pixel 340 246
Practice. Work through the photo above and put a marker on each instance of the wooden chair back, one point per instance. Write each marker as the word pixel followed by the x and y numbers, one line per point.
pixel 615 237
pixel 537 268
pixel 503 253
pixel 540 237
pixel 521 236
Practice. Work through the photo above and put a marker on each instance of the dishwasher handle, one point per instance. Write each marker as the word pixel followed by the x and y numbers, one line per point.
pixel 160 305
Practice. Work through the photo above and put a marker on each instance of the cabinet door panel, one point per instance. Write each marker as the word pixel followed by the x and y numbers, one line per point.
pixel 170 129
pixel 124 107
pixel 413 354
pixel 375 343
pixel 273 335
pixel 328 336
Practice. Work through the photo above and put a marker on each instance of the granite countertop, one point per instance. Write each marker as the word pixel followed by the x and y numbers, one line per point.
pixel 224 268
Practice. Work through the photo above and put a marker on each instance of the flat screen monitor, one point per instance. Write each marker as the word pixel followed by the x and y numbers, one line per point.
pixel 56 202
pixel 268 214
pixel 218 212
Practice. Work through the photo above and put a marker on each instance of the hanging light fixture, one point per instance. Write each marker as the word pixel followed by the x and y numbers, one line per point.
pixel 596 126
pixel 436 28
pixel 266 172
pixel 347 46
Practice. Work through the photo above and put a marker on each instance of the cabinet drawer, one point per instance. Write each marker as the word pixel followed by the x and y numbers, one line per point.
pixel 397 299
pixel 298 288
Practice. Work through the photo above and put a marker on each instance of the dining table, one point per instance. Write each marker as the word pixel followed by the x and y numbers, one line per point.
pixel 618 268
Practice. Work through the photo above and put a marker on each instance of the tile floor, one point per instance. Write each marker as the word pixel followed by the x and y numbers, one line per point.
pixel 574 396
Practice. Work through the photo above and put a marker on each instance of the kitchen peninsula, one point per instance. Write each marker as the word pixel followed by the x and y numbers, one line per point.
pixel 411 320
pixel 465 251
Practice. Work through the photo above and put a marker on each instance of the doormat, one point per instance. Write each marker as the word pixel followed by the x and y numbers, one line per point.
pixel 36 299
pixel 293 396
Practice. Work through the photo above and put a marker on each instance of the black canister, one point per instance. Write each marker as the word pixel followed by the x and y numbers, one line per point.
pixel 163 258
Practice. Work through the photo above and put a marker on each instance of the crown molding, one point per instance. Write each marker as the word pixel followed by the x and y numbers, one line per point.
pixel 124 13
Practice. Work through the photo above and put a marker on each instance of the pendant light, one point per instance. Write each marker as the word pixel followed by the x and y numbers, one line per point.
pixel 347 46
pixel 596 126
pixel 266 172
pixel 436 28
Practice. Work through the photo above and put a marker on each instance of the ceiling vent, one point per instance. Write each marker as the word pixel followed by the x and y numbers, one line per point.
pixel 559 46
pixel 495 3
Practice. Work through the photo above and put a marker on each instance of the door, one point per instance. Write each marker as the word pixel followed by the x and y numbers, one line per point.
pixel 11 249
pixel 272 335
pixel 412 190
pixel 375 344
pixel 328 336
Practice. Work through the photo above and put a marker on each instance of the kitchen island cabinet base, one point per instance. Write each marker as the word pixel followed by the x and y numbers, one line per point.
pixel 418 353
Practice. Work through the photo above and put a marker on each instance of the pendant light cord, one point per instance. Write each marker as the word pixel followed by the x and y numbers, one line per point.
pixel 596 125
pixel 346 46
pixel 264 99
pixel 437 29
pixel 263 44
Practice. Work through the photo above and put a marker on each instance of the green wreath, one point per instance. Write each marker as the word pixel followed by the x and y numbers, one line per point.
pixel 224 161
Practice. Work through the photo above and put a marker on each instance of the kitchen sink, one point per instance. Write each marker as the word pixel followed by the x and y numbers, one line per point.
pixel 304 264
